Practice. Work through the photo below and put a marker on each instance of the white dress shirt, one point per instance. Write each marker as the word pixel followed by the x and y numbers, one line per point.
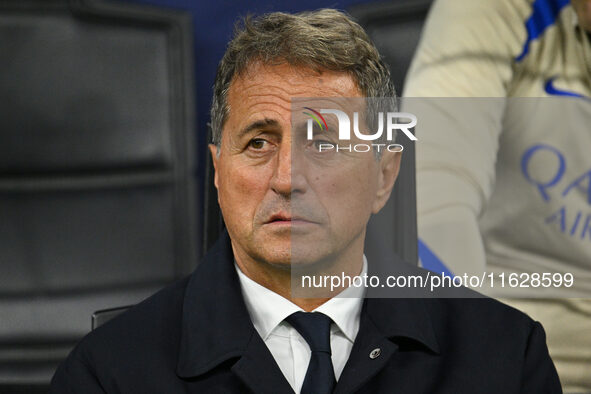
pixel 290 350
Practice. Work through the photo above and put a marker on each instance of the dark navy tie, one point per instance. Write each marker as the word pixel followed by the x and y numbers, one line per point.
pixel 315 328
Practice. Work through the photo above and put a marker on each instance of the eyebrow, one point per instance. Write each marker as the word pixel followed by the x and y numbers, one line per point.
pixel 259 124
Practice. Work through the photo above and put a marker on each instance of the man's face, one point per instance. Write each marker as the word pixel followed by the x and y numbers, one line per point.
pixel 282 201
pixel 583 10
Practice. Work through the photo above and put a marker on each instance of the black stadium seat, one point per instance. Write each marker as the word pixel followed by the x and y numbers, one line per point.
pixel 97 200
pixel 395 28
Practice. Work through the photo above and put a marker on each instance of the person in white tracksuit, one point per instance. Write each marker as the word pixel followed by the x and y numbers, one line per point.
pixel 513 194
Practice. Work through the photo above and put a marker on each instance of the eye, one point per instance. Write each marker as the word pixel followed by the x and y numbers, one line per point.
pixel 317 143
pixel 257 143
pixel 321 148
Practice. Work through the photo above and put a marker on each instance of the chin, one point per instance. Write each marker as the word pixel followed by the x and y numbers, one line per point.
pixel 293 249
pixel 277 254
pixel 284 257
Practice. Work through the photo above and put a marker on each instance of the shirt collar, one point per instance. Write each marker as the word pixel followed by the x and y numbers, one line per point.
pixel 268 309
pixel 345 308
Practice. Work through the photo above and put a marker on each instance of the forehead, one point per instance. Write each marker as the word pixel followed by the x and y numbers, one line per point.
pixel 270 88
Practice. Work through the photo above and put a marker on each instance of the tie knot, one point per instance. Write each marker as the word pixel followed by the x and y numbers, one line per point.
pixel 314 327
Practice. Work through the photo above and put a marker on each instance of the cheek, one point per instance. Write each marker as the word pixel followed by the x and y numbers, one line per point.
pixel 241 187
pixel 346 191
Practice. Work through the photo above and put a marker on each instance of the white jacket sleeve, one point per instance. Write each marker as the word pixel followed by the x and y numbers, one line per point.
pixel 467 49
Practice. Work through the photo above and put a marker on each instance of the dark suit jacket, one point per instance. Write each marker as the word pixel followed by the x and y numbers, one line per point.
pixel 196 337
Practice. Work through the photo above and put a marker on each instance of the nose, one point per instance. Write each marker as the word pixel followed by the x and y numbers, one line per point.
pixel 288 176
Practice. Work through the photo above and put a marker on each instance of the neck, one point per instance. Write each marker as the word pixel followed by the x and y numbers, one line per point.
pixel 309 296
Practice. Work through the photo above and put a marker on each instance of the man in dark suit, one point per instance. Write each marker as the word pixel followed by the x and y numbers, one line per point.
pixel 296 206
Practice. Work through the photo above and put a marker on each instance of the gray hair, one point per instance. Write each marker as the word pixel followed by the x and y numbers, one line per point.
pixel 325 39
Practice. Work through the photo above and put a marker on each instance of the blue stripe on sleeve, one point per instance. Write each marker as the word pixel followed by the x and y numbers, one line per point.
pixel 544 14
pixel 553 91
pixel 430 261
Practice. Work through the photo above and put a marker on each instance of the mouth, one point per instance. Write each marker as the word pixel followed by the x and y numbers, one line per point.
pixel 287 219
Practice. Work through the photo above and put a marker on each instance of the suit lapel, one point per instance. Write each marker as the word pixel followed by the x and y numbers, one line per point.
pixel 361 367
pixel 217 327
pixel 388 317
pixel 258 370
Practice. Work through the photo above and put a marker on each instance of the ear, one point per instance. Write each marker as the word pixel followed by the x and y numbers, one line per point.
pixel 214 157
pixel 389 166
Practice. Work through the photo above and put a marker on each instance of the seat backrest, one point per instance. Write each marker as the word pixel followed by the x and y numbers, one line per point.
pixel 104 315
pixel 395 28
pixel 97 201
